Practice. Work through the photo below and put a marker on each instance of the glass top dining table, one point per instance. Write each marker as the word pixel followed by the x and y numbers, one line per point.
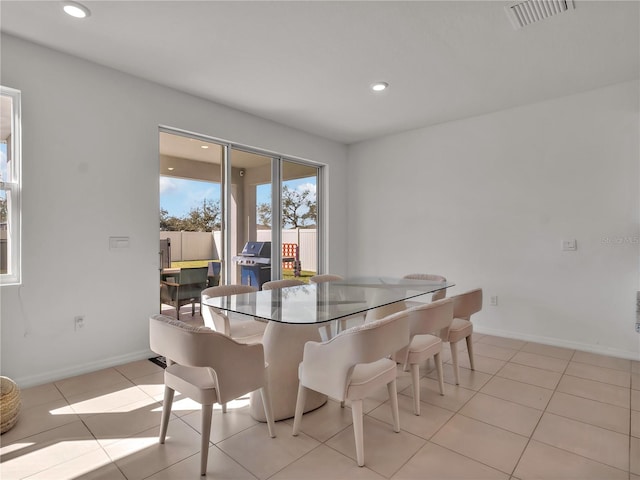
pixel 325 302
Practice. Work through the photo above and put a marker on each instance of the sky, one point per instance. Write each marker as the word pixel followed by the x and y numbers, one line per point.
pixel 178 196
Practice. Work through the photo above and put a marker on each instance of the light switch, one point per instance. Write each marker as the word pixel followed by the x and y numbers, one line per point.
pixel 116 243
pixel 569 245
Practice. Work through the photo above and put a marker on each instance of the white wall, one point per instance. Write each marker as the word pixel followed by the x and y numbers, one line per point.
pixel 90 166
pixel 486 202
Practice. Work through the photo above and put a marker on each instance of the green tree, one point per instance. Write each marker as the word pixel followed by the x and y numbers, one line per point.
pixel 298 209
pixel 312 214
pixel 204 218
pixel 164 220
pixel 170 223
pixel 264 214
pixel 3 210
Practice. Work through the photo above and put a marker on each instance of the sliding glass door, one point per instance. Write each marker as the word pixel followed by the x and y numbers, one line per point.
pixel 250 188
pixel 299 214
pixel 191 213
pixel 216 198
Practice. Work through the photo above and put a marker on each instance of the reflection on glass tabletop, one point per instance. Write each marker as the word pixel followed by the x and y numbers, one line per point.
pixel 324 302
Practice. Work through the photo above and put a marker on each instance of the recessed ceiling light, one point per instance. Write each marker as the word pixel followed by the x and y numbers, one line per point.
pixel 76 9
pixel 379 86
pixel 204 146
pixel 169 168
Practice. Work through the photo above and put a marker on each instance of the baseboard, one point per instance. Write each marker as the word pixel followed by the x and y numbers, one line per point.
pixel 599 349
pixel 55 375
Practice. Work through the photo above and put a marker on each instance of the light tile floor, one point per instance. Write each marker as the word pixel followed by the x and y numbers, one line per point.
pixel 529 411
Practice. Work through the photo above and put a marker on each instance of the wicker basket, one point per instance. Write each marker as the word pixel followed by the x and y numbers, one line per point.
pixel 9 404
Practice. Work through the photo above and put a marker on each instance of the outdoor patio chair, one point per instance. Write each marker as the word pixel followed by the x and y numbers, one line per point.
pixel 184 287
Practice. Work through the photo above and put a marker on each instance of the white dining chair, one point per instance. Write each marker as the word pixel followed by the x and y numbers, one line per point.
pixel 464 305
pixel 351 366
pixel 208 367
pixel 325 277
pixel 287 282
pixel 242 328
pixel 428 323
pixel 439 295
pixel 343 322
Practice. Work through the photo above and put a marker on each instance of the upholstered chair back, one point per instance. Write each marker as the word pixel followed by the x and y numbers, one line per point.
pixel 468 303
pixel 235 368
pixel 332 362
pixel 274 284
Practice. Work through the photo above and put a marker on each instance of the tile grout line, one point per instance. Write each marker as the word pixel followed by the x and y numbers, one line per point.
pixel 540 419
pixel 454 413
pixel 554 446
pixel 457 412
pixel 544 410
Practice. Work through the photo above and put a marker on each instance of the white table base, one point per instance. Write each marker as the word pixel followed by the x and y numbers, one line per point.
pixel 283 349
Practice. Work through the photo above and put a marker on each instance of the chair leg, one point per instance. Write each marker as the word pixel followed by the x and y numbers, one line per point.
pixel 415 377
pixel 193 308
pixel 470 351
pixel 177 305
pixel 356 414
pixel 268 411
pixel 454 360
pixel 343 325
pixel 207 411
pixel 325 332
pixel 297 419
pixel 166 412
pixel 438 360
pixel 401 357
pixel 393 396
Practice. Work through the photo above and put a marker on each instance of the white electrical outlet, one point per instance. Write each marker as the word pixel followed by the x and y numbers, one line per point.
pixel 78 322
pixel 569 245
pixel 494 300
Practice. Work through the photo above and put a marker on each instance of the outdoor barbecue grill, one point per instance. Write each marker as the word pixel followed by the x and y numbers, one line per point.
pixel 255 263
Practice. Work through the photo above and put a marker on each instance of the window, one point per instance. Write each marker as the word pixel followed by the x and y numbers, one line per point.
pixel 245 192
pixel 10 181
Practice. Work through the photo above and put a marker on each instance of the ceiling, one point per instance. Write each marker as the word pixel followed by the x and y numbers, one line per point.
pixel 309 64
pixel 181 146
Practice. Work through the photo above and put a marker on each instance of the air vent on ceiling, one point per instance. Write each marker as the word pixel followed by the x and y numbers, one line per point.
pixel 525 13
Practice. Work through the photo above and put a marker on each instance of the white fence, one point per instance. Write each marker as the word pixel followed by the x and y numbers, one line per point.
pixel 193 245
pixel 306 238
pixel 205 245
